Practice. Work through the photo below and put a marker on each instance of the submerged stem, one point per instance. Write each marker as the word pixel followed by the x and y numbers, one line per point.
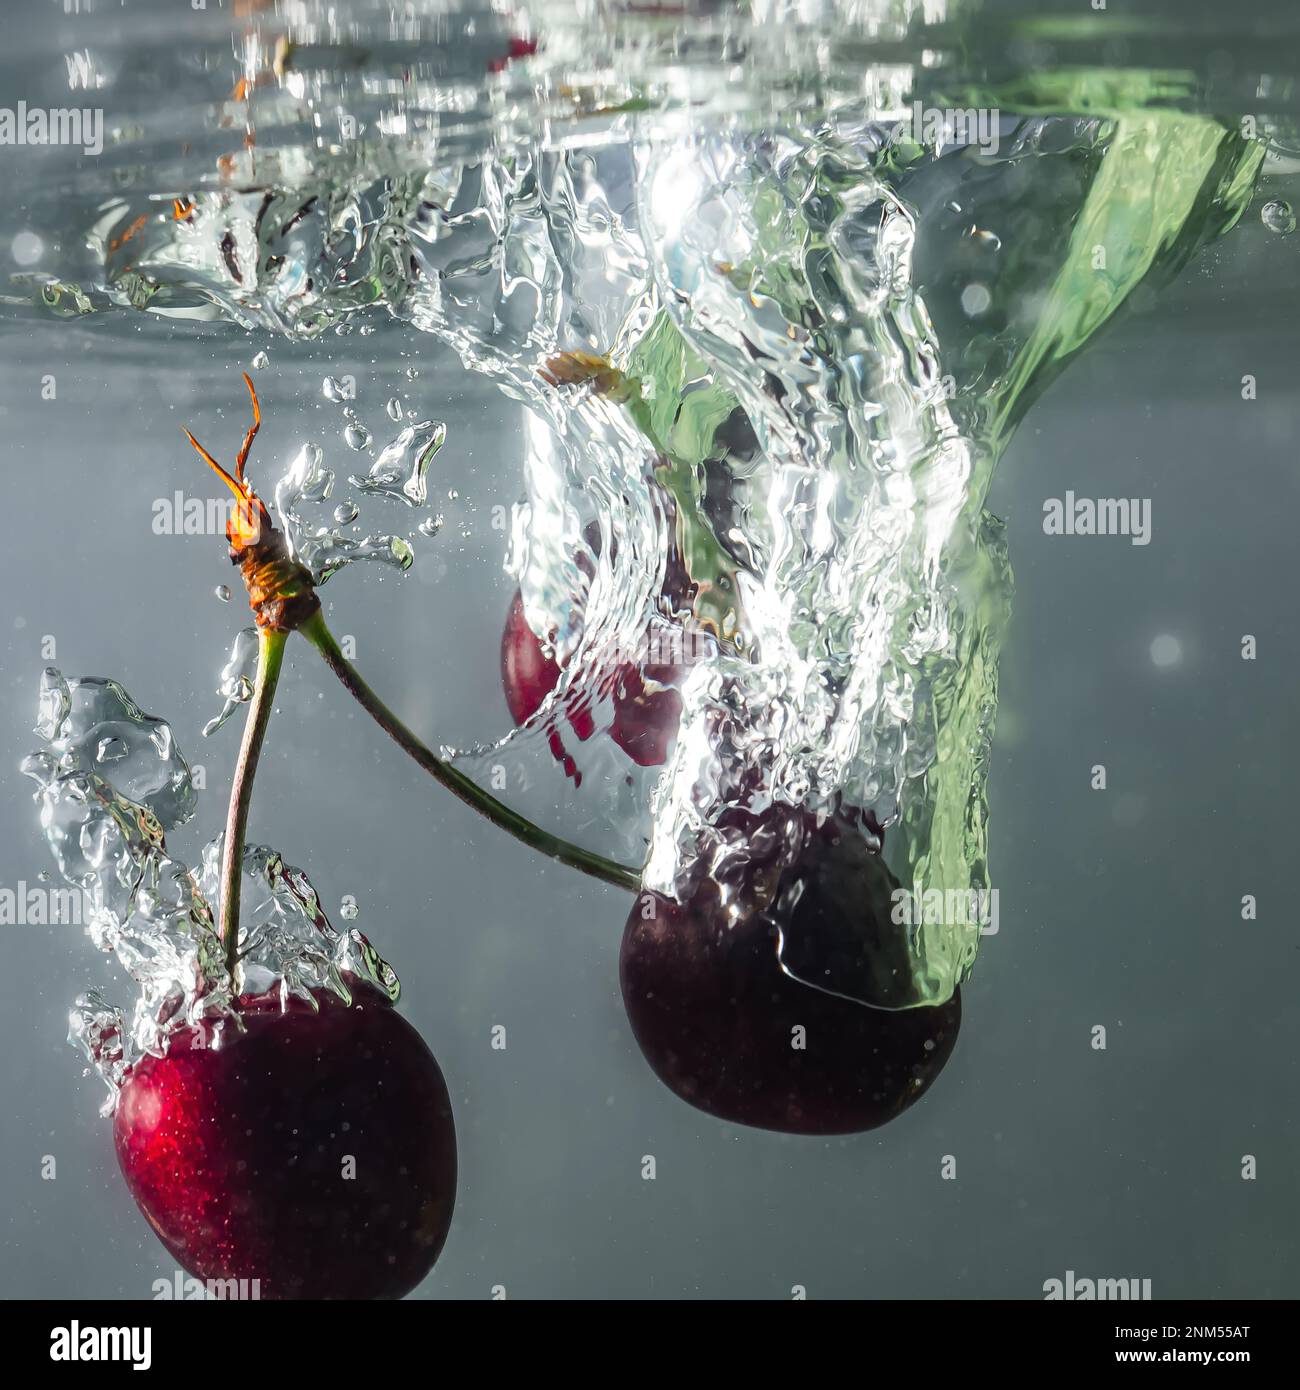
pixel 314 629
pixel 270 658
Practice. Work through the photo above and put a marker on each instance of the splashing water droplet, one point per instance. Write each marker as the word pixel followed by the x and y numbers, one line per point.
pixel 1278 216
pixel 307 480
pixel 357 437
pixel 346 513
pixel 99 728
pixel 53 704
pixel 237 677
pixel 401 468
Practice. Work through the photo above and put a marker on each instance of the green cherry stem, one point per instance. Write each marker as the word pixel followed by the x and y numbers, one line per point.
pixel 270 659
pixel 315 630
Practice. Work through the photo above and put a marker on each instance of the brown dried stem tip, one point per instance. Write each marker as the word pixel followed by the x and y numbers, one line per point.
pixel 280 590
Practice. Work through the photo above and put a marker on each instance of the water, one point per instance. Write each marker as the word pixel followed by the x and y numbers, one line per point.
pixel 112 784
pixel 777 331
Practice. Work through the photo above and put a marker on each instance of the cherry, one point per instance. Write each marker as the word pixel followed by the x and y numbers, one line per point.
pixel 716 1014
pixel 314 1152
pixel 644 723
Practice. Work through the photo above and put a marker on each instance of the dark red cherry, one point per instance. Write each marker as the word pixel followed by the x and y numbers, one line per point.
pixel 645 718
pixel 729 1030
pixel 315 1152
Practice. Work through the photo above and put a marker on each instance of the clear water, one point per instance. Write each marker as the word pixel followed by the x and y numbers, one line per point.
pixel 749 292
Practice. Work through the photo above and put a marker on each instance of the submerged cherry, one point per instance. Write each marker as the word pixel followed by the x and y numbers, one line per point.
pixel 645 716
pixel 728 1029
pixel 315 1152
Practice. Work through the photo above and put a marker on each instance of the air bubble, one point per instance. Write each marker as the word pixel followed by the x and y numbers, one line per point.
pixel 1166 651
pixel 1278 216
pixel 27 248
pixel 237 678
pixel 400 470
pixel 975 300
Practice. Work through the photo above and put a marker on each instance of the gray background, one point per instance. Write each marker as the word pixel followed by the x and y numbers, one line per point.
pixel 1118 908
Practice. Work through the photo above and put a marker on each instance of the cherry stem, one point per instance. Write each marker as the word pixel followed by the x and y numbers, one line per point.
pixel 270 659
pixel 315 630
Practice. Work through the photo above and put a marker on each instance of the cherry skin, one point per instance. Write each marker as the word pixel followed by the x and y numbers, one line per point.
pixel 644 723
pixel 715 1014
pixel 315 1152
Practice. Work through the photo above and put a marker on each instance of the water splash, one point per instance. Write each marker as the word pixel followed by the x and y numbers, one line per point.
pixel 111 784
pixel 401 468
pixel 306 489
pixel 237 677
pixel 761 323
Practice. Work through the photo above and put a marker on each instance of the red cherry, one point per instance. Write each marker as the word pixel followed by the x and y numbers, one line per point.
pixel 644 723
pixel 315 1152
pixel 519 48
pixel 716 1015
pixel 527 671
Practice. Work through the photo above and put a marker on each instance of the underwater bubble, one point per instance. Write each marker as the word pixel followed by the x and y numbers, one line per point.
pixel 335 390
pixel 325 553
pixel 349 910
pixel 307 481
pixel 430 526
pixel 260 361
pixel 1278 216
pixel 356 436
pixel 401 468
pixel 94 729
pixel 346 513
pixel 237 678
pixel 27 248
pixel 222 591
pixel 111 750
pixel 1166 651
pixel 975 300
pixel 42 768
pixel 394 408
pixel 53 704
